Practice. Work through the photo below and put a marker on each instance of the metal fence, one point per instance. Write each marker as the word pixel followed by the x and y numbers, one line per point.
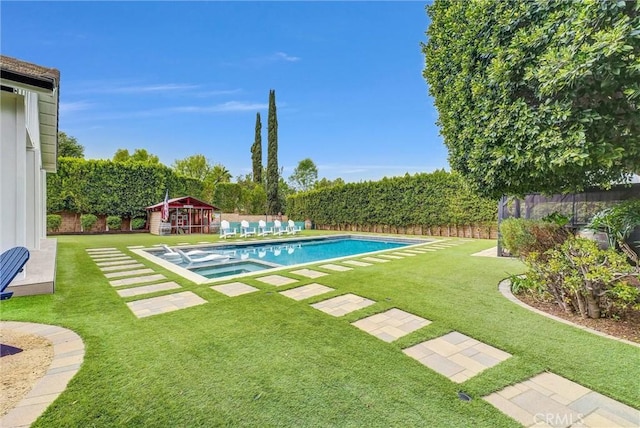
pixel 578 207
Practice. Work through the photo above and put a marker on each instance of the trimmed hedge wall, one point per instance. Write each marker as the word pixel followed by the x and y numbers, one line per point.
pixel 120 189
pixel 425 201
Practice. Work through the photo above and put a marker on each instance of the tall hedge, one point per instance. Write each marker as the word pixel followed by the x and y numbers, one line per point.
pixel 435 199
pixel 121 189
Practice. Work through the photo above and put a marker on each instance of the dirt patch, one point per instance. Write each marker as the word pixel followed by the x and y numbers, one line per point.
pixel 628 328
pixel 22 370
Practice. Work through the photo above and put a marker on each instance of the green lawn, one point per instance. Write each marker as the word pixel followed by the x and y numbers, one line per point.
pixel 262 359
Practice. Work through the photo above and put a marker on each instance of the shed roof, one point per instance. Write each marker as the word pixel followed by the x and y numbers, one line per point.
pixel 181 202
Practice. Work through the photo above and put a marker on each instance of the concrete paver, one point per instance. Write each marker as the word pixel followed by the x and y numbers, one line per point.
pixel 375 259
pixel 309 273
pixel 456 355
pixel 336 268
pixel 162 304
pixel 136 280
pixel 306 291
pixel 276 280
pixel 341 305
pixel 392 324
pixel 147 289
pixel 551 400
pixel 234 289
pixel 128 273
pixel 391 256
pixel 356 263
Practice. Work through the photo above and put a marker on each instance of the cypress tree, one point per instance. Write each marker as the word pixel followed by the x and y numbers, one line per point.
pixel 272 157
pixel 256 152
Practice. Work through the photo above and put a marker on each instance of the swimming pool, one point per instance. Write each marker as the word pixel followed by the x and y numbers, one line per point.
pixel 225 261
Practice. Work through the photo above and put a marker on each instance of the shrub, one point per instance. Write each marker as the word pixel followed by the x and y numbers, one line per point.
pixel 583 278
pixel 138 223
pixel 522 236
pixel 53 222
pixel 619 222
pixel 114 222
pixel 88 221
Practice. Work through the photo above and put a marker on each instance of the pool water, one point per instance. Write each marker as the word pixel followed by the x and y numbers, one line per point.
pixel 246 258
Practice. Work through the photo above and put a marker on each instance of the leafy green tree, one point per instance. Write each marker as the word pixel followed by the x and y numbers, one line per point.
pixel 139 155
pixel 256 152
pixel 273 177
pixel 325 182
pixel 69 147
pixel 305 175
pixel 219 174
pixel 536 95
pixel 194 166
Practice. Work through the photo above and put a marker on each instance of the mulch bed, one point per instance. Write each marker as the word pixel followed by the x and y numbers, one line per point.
pixel 627 328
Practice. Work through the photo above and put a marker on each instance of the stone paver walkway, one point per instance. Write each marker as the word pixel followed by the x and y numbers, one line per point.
pixel 551 400
pixel 336 268
pixel 68 355
pixel 111 259
pixel 163 304
pixel 356 263
pixel 116 263
pixel 276 280
pixel 306 291
pixel 456 356
pixel 234 289
pixel 128 273
pixel 391 325
pixel 342 305
pixel 147 289
pixel 309 273
pixel 391 256
pixel 114 268
pixel 136 280
pixel 375 260
pixel 402 253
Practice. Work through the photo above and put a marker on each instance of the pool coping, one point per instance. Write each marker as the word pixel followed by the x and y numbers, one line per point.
pixel 199 279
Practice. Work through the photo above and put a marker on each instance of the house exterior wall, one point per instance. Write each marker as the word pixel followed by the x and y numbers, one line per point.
pixel 21 190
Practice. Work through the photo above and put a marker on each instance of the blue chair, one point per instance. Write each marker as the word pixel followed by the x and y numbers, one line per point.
pixel 11 263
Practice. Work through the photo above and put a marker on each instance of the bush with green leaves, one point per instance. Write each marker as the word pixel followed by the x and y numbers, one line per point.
pixel 618 222
pixel 138 223
pixel 88 221
pixel 53 222
pixel 114 222
pixel 523 236
pixel 585 279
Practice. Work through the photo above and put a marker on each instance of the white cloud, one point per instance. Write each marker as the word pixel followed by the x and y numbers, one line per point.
pixel 284 56
pixel 70 107
pixel 229 106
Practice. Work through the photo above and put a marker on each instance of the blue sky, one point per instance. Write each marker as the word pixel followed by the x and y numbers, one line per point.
pixel 185 78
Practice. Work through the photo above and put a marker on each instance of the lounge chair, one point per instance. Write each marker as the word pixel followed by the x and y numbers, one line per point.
pixel 225 230
pixel 12 262
pixel 262 228
pixel 246 230
pixel 207 258
pixel 291 228
pixel 170 253
pixel 277 228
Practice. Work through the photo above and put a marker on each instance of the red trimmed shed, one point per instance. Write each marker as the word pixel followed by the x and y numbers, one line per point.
pixel 186 215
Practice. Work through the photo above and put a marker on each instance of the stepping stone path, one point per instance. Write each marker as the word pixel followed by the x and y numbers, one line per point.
pixel 309 273
pixel 456 356
pixel 336 268
pixel 163 304
pixel 128 273
pixel 306 291
pixel 234 289
pixel 375 260
pixel 113 266
pixel 342 305
pixel 551 400
pixel 356 263
pixel 402 253
pixel 391 256
pixel 147 289
pixel 391 325
pixel 136 280
pixel 276 280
